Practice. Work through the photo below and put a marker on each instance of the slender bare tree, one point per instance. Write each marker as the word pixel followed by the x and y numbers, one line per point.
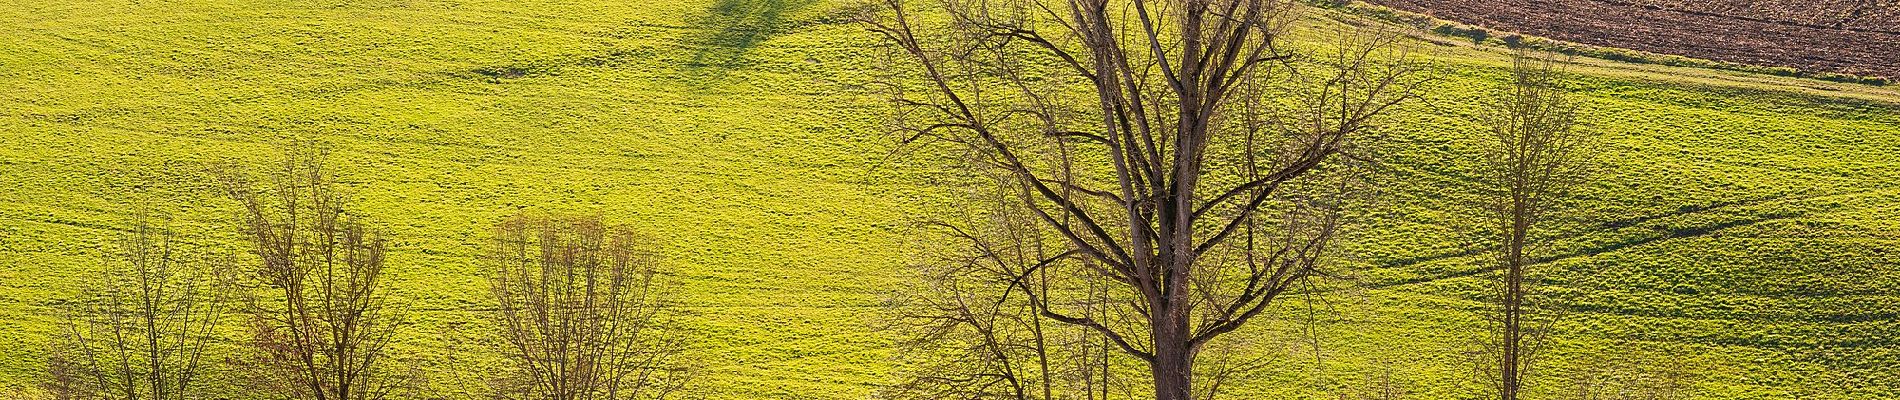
pixel 143 328
pixel 321 329
pixel 1535 157
pixel 971 332
pixel 583 309
pixel 1635 372
pixel 1181 154
pixel 1376 387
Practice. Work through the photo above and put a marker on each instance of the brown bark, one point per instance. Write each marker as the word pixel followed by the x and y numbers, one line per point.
pixel 1173 361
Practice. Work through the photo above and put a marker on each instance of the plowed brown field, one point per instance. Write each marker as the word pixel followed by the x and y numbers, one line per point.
pixel 1859 37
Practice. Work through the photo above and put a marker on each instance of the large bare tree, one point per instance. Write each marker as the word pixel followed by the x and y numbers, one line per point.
pixel 1535 157
pixel 322 328
pixel 1180 153
pixel 582 308
pixel 144 328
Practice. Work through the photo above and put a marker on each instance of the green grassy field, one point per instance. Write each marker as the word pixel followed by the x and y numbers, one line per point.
pixel 1747 225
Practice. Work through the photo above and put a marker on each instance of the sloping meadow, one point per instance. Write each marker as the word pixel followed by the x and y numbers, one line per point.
pixel 1745 233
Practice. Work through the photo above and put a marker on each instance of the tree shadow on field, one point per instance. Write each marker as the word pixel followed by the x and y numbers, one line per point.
pixel 733 27
pixel 1740 213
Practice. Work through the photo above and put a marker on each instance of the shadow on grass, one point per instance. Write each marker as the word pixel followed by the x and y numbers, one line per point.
pixel 734 27
pixel 1659 234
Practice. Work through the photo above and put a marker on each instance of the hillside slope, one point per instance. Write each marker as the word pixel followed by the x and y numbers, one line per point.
pixel 1749 228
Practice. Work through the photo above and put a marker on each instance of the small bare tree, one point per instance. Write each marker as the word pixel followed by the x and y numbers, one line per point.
pixel 1633 372
pixel 1376 387
pixel 1536 156
pixel 322 329
pixel 583 309
pixel 143 329
pixel 1182 155
pixel 971 331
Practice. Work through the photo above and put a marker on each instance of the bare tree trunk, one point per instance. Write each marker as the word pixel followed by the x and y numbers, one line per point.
pixel 1513 300
pixel 1173 364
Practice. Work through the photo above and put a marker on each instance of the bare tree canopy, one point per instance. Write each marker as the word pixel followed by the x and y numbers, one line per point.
pixel 322 328
pixel 582 309
pixel 143 330
pixel 1185 155
pixel 1535 156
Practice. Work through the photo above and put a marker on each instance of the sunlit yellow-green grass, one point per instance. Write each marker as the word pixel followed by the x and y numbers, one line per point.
pixel 1748 226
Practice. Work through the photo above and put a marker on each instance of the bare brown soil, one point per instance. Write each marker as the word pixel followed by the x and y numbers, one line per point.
pixel 1860 37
